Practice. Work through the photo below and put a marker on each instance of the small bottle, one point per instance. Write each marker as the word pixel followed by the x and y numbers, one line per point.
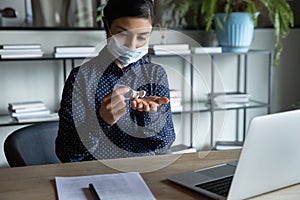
pixel 138 94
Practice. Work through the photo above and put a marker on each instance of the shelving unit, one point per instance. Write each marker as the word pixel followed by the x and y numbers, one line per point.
pixel 243 63
pixel 193 106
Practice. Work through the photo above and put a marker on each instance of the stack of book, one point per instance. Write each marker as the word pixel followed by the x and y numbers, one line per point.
pixel 229 99
pixel 181 148
pixel 9 51
pixel 169 49
pixel 175 100
pixel 201 50
pixel 74 51
pixel 224 145
pixel 30 111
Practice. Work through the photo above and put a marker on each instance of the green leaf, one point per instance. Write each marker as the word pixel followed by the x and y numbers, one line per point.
pixel 280 15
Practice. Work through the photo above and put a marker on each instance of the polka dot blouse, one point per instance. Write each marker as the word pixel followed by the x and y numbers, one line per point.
pixel 83 135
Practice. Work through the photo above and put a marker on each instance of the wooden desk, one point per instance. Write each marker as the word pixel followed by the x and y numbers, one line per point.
pixel 37 182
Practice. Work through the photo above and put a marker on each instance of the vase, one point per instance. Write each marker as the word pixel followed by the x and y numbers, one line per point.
pixel 236 32
pixel 46 13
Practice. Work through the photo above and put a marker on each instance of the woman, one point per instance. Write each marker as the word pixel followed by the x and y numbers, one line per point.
pixel 98 117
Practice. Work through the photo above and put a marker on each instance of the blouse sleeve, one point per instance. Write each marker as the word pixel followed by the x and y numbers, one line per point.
pixel 69 147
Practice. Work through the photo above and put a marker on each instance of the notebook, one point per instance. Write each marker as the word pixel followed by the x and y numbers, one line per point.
pixel 269 160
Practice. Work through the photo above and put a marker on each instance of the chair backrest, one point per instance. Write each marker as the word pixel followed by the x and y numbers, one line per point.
pixel 32 145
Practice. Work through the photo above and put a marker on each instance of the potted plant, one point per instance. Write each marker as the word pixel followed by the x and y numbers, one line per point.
pixel 279 11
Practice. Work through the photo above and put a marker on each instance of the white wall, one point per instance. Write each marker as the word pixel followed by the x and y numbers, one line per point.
pixel 286 77
pixel 43 79
pixel 38 79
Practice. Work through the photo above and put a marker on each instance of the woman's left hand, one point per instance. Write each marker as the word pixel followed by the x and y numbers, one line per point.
pixel 148 103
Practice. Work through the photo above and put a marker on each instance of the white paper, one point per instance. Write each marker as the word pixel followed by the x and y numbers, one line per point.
pixel 108 186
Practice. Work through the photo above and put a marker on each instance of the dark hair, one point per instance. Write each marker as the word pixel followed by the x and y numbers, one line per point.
pixel 115 9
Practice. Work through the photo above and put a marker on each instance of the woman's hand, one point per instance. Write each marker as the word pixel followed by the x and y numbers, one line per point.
pixel 148 103
pixel 113 105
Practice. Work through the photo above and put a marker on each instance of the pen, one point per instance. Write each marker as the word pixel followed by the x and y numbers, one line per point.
pixel 94 192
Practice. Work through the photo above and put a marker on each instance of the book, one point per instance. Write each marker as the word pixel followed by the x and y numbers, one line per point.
pixel 74 49
pixel 181 148
pixel 230 97
pixel 200 50
pixel 74 55
pixel 19 51
pixel 224 145
pixel 37 113
pixel 170 52
pixel 20 46
pixel 170 46
pixel 23 55
pixel 28 109
pixel 125 185
pixel 25 104
pixel 10 51
pixel 169 49
pixel 229 105
pixel 49 117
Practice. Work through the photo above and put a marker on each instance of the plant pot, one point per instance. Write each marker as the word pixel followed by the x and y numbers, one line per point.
pixel 235 33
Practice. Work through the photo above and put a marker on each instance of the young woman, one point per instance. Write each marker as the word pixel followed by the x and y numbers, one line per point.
pixel 99 117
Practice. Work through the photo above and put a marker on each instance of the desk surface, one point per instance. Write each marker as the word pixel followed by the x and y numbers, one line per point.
pixel 38 182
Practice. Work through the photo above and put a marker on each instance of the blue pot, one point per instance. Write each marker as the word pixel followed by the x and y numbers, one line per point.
pixel 236 33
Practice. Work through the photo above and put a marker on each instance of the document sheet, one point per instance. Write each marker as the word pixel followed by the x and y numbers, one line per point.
pixel 108 186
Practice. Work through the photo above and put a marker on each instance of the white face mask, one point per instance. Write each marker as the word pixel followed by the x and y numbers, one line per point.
pixel 124 54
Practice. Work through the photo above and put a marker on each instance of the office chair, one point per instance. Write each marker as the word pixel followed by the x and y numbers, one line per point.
pixel 32 145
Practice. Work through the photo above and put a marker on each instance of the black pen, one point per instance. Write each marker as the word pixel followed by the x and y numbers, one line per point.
pixel 94 192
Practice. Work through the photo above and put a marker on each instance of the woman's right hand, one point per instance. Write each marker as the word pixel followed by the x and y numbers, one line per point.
pixel 113 105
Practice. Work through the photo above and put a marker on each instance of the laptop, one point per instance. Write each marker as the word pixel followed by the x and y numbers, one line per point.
pixel 269 160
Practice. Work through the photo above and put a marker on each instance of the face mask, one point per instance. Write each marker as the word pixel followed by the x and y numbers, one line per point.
pixel 124 54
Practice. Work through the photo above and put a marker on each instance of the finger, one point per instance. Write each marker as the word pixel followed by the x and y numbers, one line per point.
pixel 118 101
pixel 146 107
pixel 158 100
pixel 118 98
pixel 153 106
pixel 119 113
pixel 134 104
pixel 106 103
pixel 116 116
pixel 140 106
pixel 121 90
pixel 162 100
pixel 118 107
pixel 106 98
pixel 113 105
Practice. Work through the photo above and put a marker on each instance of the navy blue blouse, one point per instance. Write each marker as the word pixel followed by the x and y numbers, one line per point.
pixel 83 135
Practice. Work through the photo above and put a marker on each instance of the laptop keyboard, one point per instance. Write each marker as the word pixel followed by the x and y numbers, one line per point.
pixel 220 186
